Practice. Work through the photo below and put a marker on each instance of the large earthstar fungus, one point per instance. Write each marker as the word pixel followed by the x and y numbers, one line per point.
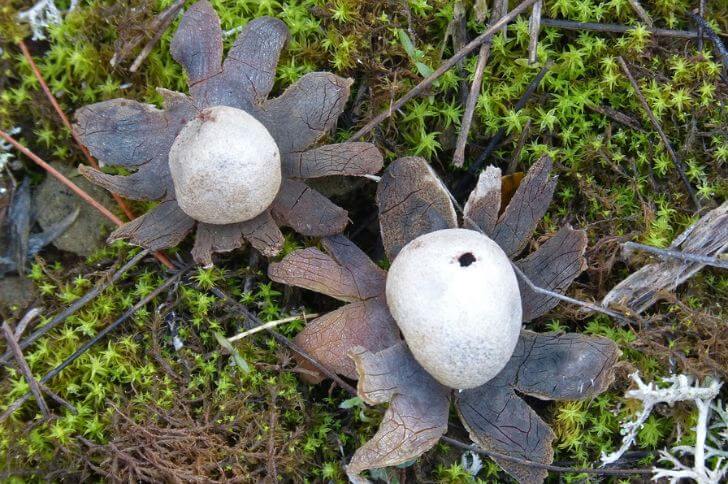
pixel 361 340
pixel 226 159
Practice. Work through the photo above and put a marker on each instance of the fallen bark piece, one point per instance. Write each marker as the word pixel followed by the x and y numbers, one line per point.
pixel 707 237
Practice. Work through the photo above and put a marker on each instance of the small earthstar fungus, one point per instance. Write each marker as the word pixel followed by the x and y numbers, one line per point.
pixel 226 159
pixel 463 277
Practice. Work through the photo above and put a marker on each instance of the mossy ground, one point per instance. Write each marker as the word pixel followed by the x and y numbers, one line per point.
pixel 616 182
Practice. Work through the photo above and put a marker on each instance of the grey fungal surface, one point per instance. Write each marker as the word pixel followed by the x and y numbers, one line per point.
pixel 455 297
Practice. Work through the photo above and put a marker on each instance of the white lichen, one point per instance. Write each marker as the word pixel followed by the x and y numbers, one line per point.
pixel 42 15
pixel 682 388
pixel 5 154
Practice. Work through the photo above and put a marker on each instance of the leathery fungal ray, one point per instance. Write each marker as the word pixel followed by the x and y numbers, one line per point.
pixel 226 159
pixel 361 340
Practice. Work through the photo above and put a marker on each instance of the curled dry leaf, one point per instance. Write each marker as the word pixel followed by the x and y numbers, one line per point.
pixel 139 137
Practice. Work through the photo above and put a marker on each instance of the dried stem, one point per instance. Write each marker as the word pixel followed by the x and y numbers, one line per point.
pixel 717 43
pixel 77 304
pixel 563 297
pixel 165 17
pixel 272 324
pixel 64 119
pixel 670 151
pixel 496 140
pixel 25 321
pixel 677 254
pixel 458 157
pixel 616 116
pixel 160 24
pixel 642 13
pixel 444 67
pixel 25 370
pixel 102 334
pixel 253 321
pixel 534 27
pixel 701 13
pixel 614 28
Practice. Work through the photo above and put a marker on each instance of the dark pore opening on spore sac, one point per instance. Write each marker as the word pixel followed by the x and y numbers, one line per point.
pixel 466 259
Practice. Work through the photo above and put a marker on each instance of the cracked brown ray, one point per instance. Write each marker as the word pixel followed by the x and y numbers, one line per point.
pixel 547 366
pixel 412 202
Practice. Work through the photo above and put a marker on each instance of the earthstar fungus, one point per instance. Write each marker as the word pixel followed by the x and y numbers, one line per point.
pixel 413 202
pixel 226 158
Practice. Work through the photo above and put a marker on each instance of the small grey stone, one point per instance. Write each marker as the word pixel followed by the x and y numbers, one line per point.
pixel 16 293
pixel 53 201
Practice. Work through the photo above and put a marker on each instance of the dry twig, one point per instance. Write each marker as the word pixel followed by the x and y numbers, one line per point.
pixel 668 147
pixel 25 370
pixel 534 27
pixel 614 28
pixel 642 13
pixel 446 66
pixel 76 305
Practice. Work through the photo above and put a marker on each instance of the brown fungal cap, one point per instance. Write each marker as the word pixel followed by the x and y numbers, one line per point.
pixel 137 136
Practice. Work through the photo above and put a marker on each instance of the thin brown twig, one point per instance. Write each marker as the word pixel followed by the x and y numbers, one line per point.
pixel 668 147
pixel 64 119
pixel 101 335
pixel 77 304
pixel 57 398
pixel 444 67
pixel 534 27
pixel 159 27
pixel 458 157
pixel 616 116
pixel 614 28
pixel 24 322
pixel 61 178
pixel 642 13
pixel 25 370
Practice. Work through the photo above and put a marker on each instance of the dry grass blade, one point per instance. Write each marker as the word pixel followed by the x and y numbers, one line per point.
pixel 271 324
pixel 25 370
pixel 656 124
pixel 446 66
pixel 101 335
pixel 677 254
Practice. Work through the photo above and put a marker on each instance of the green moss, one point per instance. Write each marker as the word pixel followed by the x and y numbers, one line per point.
pixel 614 180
